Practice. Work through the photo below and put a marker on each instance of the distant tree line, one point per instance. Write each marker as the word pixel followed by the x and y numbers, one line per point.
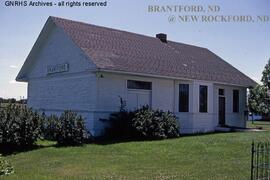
pixel 13 100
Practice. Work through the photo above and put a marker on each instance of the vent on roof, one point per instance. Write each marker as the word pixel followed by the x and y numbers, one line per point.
pixel 162 37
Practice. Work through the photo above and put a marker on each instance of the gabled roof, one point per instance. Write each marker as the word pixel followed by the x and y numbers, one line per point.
pixel 121 51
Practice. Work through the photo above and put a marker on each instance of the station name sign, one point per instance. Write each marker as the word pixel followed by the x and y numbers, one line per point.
pixel 59 68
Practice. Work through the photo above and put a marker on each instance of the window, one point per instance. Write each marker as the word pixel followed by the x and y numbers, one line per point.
pixel 183 97
pixel 221 92
pixel 236 101
pixel 203 98
pixel 139 85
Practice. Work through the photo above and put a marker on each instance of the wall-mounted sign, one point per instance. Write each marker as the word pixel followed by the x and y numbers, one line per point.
pixel 51 69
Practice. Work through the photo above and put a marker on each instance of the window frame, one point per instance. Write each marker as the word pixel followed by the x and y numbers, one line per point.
pixel 138 81
pixel 203 109
pixel 236 100
pixel 184 108
pixel 221 90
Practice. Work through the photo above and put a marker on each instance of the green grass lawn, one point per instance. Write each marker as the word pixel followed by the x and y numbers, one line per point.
pixel 265 125
pixel 211 156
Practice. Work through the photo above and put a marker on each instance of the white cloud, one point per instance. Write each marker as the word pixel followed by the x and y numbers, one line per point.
pixel 3 93
pixel 13 66
pixel 12 82
pixel 257 79
pixel 15 82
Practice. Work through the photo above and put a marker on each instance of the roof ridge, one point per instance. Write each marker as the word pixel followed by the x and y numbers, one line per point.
pixel 138 53
pixel 119 30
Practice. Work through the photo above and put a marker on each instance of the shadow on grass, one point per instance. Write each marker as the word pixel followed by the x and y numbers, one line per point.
pixel 108 141
pixel 88 141
pixel 206 133
pixel 11 149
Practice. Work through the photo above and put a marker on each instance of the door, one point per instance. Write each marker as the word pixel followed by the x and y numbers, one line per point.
pixel 138 98
pixel 221 111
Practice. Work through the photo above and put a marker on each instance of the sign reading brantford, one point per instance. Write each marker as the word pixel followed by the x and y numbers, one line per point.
pixel 51 69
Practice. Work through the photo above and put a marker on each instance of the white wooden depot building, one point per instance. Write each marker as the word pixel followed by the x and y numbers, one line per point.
pixel 86 68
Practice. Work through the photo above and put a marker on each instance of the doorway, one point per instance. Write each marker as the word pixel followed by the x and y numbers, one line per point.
pixel 221 110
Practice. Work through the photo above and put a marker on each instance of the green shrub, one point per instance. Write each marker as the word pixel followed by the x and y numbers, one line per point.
pixel 49 127
pixel 70 129
pixel 155 124
pixel 143 123
pixel 19 126
pixel 120 125
pixel 5 167
pixel 171 127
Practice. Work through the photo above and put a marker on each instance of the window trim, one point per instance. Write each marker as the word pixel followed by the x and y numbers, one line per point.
pixel 202 110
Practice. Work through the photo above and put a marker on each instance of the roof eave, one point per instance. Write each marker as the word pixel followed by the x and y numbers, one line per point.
pixel 168 77
pixel 21 77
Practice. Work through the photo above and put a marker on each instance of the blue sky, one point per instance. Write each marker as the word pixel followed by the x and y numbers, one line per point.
pixel 244 45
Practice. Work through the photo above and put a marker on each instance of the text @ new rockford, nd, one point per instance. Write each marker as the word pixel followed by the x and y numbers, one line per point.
pixel 204 13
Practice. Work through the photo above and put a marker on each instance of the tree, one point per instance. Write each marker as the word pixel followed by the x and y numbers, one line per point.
pixel 266 75
pixel 259 100
pixel 259 97
pixel 12 100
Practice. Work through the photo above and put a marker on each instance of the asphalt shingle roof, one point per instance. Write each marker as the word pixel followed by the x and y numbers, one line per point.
pixel 118 50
